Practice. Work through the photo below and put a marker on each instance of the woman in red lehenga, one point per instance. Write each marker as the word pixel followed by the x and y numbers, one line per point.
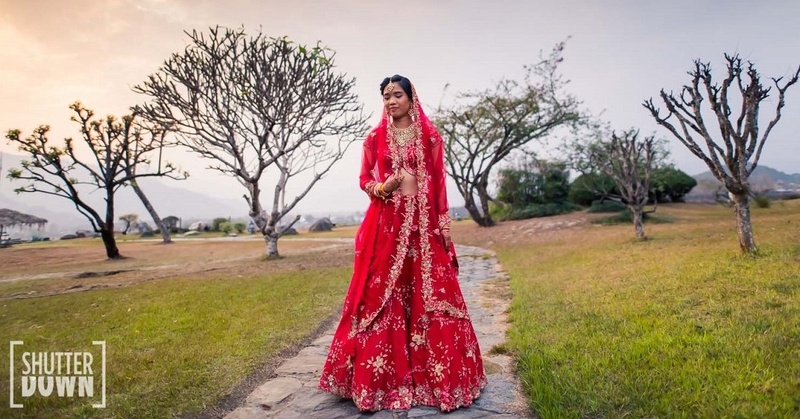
pixel 405 338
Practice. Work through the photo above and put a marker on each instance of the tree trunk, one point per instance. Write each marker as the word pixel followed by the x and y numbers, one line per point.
pixel 638 220
pixel 110 242
pixel 473 211
pixel 259 217
pixel 107 228
pixel 743 225
pixel 156 219
pixel 483 195
pixel 272 247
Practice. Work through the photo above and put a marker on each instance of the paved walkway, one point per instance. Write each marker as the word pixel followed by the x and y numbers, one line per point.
pixel 293 392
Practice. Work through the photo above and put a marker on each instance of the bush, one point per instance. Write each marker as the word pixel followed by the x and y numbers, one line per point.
pixel 240 227
pixel 226 227
pixel 588 188
pixel 626 217
pixel 542 183
pixel 762 201
pixel 667 184
pixel 607 206
pixel 670 184
pixel 217 223
pixel 531 211
pixel 496 211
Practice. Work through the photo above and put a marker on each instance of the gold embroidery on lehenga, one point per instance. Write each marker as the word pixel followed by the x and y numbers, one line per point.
pixel 440 311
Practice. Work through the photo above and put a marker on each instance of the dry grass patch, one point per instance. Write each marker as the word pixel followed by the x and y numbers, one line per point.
pixel 73 266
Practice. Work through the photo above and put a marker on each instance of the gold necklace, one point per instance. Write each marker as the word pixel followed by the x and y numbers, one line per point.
pixel 403 136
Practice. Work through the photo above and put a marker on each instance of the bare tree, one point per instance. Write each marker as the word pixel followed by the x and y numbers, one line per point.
pixel 630 165
pixel 587 154
pixel 252 103
pixel 114 145
pixel 593 152
pixel 129 220
pixel 150 139
pixel 493 123
pixel 734 155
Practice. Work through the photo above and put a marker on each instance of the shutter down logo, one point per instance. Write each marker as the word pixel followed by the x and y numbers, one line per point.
pixel 80 374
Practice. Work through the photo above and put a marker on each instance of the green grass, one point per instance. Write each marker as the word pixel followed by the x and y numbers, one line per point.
pixel 173 346
pixel 677 326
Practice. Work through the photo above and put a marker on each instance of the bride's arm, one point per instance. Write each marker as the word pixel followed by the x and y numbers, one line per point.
pixel 439 180
pixel 368 177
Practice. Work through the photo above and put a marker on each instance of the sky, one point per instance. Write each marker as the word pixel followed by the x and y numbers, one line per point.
pixel 618 53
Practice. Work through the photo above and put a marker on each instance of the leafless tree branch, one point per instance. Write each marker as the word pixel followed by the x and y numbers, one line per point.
pixel 248 103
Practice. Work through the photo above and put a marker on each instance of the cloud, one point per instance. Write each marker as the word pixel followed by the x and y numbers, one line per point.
pixel 621 53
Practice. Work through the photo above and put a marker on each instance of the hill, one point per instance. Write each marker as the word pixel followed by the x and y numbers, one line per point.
pixel 166 195
pixel 763 175
pixel 764 178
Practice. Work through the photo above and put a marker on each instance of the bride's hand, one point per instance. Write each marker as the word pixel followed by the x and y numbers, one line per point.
pixel 393 182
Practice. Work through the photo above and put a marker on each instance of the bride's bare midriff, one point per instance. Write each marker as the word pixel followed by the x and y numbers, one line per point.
pixel 409 184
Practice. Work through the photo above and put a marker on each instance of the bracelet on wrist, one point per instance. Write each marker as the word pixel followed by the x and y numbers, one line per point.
pixel 381 192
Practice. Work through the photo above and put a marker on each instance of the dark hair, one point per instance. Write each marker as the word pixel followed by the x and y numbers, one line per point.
pixel 402 81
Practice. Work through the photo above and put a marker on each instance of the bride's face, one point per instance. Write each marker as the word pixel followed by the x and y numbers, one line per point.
pixel 396 101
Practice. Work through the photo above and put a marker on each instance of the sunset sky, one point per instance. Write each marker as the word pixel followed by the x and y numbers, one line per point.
pixel 620 53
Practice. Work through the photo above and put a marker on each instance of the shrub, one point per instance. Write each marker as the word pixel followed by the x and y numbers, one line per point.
pixel 497 211
pixel 607 206
pixel 626 217
pixel 240 227
pixel 226 227
pixel 670 184
pixel 762 201
pixel 588 188
pixel 534 211
pixel 541 183
pixel 217 223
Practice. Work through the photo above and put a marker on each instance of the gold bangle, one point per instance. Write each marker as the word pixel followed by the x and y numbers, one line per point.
pixel 382 192
pixel 372 188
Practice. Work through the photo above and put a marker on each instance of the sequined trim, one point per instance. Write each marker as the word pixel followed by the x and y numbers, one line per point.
pixel 394 271
pixel 406 397
pixel 444 220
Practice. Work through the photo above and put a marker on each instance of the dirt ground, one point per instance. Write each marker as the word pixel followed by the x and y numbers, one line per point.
pixel 534 230
pixel 41 269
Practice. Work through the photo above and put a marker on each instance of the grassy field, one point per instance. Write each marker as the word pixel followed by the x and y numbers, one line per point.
pixel 680 325
pixel 176 342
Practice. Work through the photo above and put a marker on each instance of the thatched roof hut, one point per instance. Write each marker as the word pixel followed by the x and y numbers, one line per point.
pixel 11 218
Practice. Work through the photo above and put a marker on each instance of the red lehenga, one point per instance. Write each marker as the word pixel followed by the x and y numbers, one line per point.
pixel 405 338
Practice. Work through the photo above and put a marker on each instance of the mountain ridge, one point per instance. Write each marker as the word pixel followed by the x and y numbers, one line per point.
pixel 761 172
pixel 167 200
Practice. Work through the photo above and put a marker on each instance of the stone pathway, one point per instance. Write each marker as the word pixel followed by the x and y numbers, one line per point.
pixel 293 392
